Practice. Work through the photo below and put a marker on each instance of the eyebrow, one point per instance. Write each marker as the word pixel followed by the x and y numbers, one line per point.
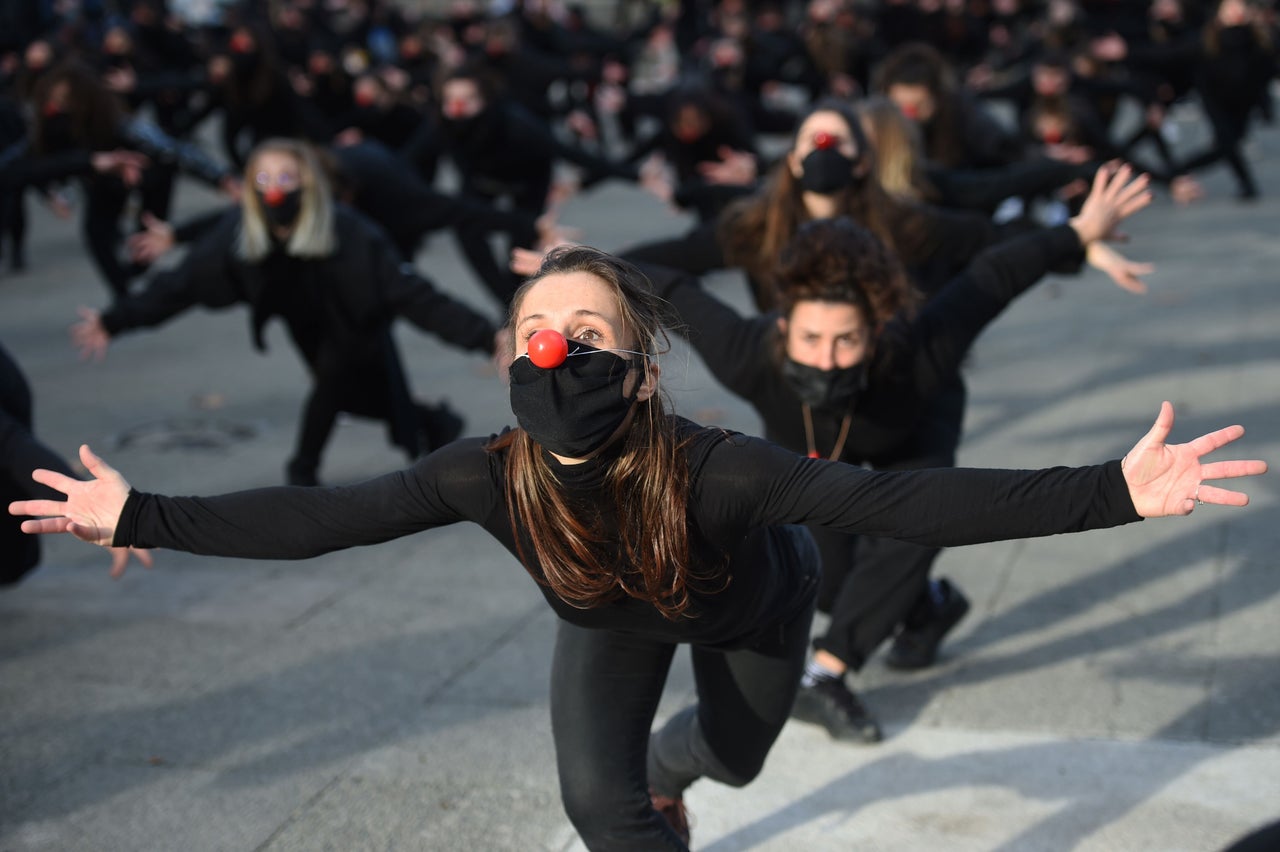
pixel 581 312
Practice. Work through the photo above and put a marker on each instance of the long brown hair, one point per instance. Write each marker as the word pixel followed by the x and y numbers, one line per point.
pixel 94 111
pixel 753 230
pixel 584 561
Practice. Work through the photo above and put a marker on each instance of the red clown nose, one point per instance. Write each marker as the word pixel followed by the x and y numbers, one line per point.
pixel 823 141
pixel 274 196
pixel 911 111
pixel 548 348
pixel 241 43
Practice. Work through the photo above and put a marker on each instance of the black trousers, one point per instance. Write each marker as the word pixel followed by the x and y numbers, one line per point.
pixel 605 689
pixel 530 196
pixel 1230 125
pixel 870 586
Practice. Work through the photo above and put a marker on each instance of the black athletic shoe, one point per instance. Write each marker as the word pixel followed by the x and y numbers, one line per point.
pixel 917 647
pixel 834 706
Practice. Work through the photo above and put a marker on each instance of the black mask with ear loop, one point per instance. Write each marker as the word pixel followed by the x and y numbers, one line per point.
pixel 573 409
pixel 826 171
pixel 825 389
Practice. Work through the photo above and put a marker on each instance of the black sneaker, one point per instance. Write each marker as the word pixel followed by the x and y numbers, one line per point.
pixel 917 647
pixel 834 706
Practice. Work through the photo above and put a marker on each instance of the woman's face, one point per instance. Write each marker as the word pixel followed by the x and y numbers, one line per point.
pixel 831 124
pixel 1233 13
pixel 827 335
pixel 59 98
pixel 276 169
pixel 584 309
pixel 461 99
pixel 915 101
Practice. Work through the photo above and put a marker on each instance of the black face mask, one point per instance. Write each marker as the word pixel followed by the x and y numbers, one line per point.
pixel 284 213
pixel 572 410
pixel 825 389
pixel 472 130
pixel 826 171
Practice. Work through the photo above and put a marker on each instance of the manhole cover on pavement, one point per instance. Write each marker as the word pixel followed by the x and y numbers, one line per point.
pixel 184 433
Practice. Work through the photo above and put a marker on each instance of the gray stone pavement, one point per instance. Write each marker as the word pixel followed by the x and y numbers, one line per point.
pixel 1115 690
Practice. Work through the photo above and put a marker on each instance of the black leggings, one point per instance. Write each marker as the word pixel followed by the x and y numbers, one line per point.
pixel 872 585
pixel 1230 126
pixel 605 688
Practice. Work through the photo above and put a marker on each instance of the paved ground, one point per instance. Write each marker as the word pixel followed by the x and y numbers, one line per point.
pixel 1110 691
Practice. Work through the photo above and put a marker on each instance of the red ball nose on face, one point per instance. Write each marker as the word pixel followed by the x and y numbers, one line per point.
pixel 548 348
pixel 274 196
pixel 822 141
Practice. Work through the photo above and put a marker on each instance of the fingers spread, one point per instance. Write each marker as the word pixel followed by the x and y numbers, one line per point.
pixel 1222 496
pixel 1206 444
pixel 1160 430
pixel 45 526
pixel 1233 469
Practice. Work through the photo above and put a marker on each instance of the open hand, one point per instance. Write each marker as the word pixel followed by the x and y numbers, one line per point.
pixel 89 335
pixel 91 509
pixel 1169 479
pixel 1116 195
pixel 734 168
pixel 150 244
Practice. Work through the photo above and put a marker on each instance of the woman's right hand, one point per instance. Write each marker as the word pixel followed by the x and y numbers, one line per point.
pixel 91 509
pixel 90 336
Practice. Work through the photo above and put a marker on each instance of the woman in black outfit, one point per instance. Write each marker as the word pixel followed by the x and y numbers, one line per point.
pixel 336 280
pixel 829 171
pixel 848 371
pixel 1236 63
pixel 75 112
pixel 644 532
pixel 501 150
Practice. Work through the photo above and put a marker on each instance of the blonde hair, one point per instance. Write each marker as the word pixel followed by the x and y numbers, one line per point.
pixel 897 145
pixel 313 235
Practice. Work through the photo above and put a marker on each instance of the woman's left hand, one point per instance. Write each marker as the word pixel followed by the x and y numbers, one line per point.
pixel 1169 479
pixel 1116 195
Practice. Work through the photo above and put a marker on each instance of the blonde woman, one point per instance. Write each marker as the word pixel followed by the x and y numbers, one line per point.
pixel 336 281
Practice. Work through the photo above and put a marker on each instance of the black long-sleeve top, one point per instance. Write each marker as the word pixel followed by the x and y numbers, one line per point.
pixel 506 143
pixel 914 358
pixel 351 296
pixel 935 246
pixel 740 490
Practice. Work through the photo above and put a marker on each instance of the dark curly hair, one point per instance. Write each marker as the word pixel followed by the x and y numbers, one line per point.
pixel 837 260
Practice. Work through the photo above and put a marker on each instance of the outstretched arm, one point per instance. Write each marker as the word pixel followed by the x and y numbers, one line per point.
pixel 956 506
pixel 267 523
